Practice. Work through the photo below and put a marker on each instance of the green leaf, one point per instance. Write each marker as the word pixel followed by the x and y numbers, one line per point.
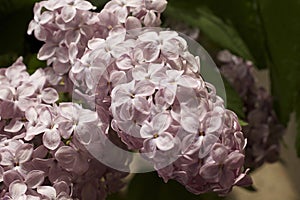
pixel 235 20
pixel 214 28
pixel 234 102
pixel 281 21
pixel 14 19
pixel 243 123
pixel 7 59
pixel 33 63
pixel 149 186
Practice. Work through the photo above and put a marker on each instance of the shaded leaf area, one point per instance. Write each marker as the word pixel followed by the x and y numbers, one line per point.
pixel 15 16
pixel 282 26
pixel 14 19
pixel 215 29
pixel 233 24
pixel 234 101
pixel 149 186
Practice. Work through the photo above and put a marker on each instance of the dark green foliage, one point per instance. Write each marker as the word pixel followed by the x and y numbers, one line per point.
pixel 149 187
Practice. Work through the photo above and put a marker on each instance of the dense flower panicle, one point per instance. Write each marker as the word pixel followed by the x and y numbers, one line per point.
pixel 146 87
pixel 66 26
pixel 42 144
pixel 263 131
pixel 160 105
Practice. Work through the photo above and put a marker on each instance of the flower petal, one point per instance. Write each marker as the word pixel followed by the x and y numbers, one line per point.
pixel 49 95
pixel 68 13
pixel 46 51
pixel 17 189
pixel 151 52
pixel 219 153
pixel 51 139
pixel 210 171
pixel 7 158
pixel 24 153
pixel 14 126
pixel 47 191
pixel 165 141
pixel 34 178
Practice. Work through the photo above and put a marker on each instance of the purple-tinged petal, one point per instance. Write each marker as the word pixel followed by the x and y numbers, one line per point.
pixel 46 51
pixel 24 153
pixel 188 81
pixel 17 189
pixel 142 105
pixel 151 51
pixel 227 179
pixel 207 142
pixel 68 13
pixel 49 95
pixel 45 116
pixel 40 152
pixel 7 158
pixel 144 88
pixel 6 94
pixel 47 191
pixel 122 14
pixel 149 148
pixel 86 116
pixel 210 171
pixel 147 131
pixel 234 160
pixel 133 23
pixel 61 68
pixel 11 176
pixel 51 139
pixel 118 77
pixel 14 126
pixel 150 18
pixel 73 36
pixel 161 122
pixel 96 43
pixel 84 5
pixel 124 62
pixel 243 179
pixel 189 122
pixel 219 153
pixel 165 141
pixel 34 178
pixel 170 51
pixel 31 114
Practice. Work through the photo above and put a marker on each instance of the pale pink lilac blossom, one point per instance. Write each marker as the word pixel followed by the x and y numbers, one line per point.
pixel 148 107
pixel 42 147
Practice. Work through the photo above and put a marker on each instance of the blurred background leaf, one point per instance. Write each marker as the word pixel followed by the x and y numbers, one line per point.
pixel 149 186
pixel 237 25
pixel 234 101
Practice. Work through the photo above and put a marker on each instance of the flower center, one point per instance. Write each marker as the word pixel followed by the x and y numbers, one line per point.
pixel 201 133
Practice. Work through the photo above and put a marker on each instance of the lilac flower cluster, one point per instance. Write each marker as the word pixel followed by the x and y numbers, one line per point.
pixel 146 87
pixel 160 105
pixel 67 25
pixel 41 154
pixel 263 131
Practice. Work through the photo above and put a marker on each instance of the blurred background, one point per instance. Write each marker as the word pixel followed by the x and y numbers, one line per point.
pixel 265 32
